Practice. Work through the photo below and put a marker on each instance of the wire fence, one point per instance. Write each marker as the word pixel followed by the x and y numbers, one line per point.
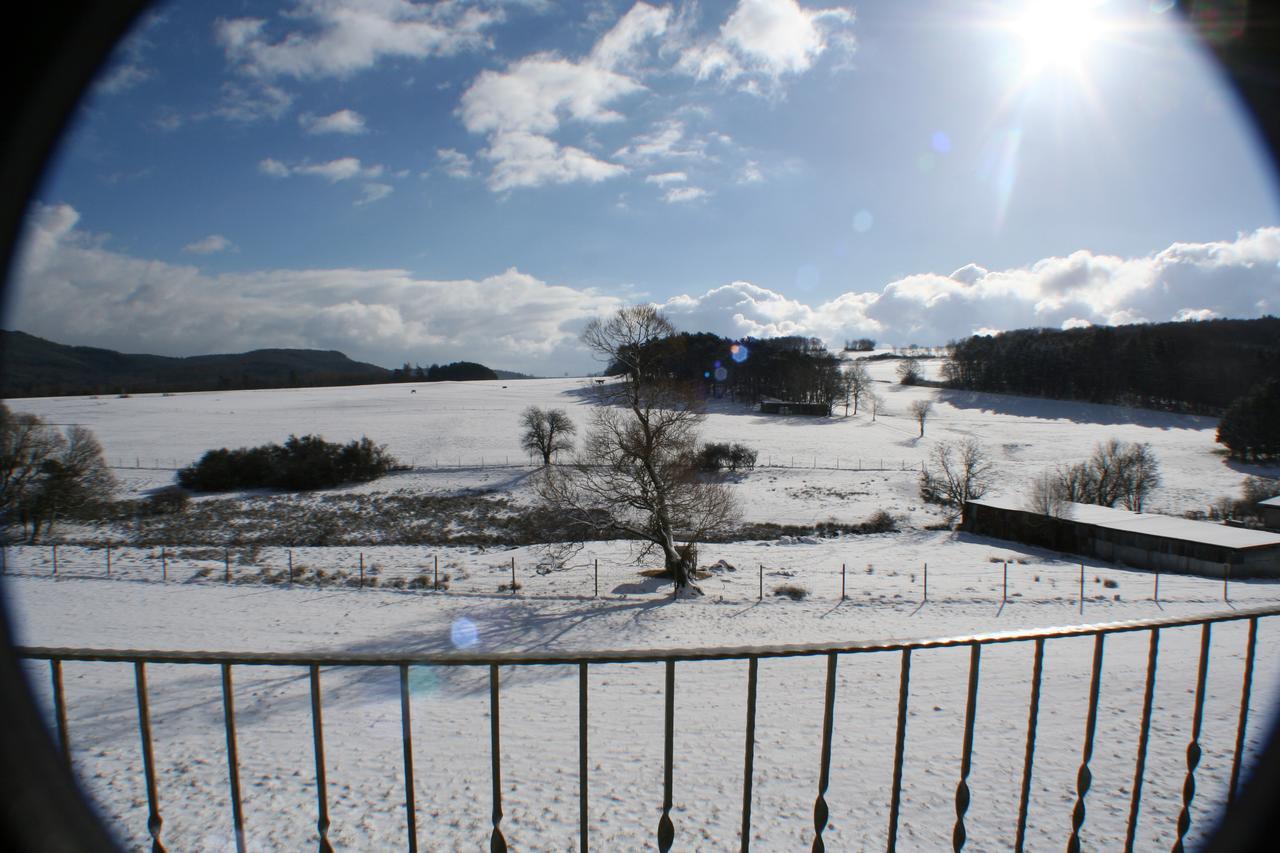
pixel 501 460
pixel 786 572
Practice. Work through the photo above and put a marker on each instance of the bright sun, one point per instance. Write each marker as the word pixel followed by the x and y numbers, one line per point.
pixel 1056 34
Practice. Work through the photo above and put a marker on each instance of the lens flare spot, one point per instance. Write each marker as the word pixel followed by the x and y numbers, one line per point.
pixel 739 353
pixel 941 142
pixel 423 679
pixel 862 221
pixel 721 374
pixel 463 633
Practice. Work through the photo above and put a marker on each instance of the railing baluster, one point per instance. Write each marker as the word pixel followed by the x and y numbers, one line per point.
pixel 583 813
pixel 497 843
pixel 1084 779
pixel 233 756
pixel 748 769
pixel 666 829
pixel 904 687
pixel 154 821
pixel 60 709
pixel 820 810
pixel 406 736
pixel 1244 711
pixel 1033 717
pixel 317 729
pixel 970 713
pixel 1144 731
pixel 1193 748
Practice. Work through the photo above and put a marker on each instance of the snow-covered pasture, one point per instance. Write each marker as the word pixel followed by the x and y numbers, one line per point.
pixel 809 467
pixel 445 429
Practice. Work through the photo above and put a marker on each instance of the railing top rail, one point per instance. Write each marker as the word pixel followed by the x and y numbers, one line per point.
pixel 530 658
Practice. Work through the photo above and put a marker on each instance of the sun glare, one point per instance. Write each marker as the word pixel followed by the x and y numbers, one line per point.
pixel 1056 34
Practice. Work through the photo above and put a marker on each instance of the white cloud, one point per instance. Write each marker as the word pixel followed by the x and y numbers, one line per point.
pixel 764 40
pixel 348 122
pixel 372 192
pixel 455 163
pixel 209 245
pixel 621 46
pixel 251 103
pixel 531 160
pixel 333 171
pixel 678 195
pixel 341 169
pixel 509 319
pixel 751 173
pixel 328 38
pixel 521 107
pixel 122 78
pixel 274 168
pixel 664 178
pixel 1237 278
pixel 513 318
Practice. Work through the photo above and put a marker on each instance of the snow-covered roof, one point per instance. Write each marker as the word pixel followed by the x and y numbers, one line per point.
pixel 1165 526
pixel 1271 501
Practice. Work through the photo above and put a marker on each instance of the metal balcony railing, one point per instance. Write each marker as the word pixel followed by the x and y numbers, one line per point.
pixel 666 829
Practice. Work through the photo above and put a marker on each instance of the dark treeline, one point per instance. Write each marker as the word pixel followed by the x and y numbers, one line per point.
pixel 458 371
pixel 793 369
pixel 1193 366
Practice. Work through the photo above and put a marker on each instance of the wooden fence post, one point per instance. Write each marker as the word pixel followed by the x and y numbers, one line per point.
pixel 762 581
pixel 55 561
pixel 226 561
pixel 437 581
pixel 597 592
pixel 291 565
pixel 842 568
pixel 362 570
pixel 108 559
pixel 1004 595
pixel 164 564
pixel 513 575
pixel 926 582
pixel 1082 587
pixel 1155 595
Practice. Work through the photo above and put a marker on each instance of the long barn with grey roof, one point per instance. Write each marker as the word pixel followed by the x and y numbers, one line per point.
pixel 1142 540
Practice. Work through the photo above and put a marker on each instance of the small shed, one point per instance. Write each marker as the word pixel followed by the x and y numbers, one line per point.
pixel 1271 512
pixel 772 406
pixel 1142 540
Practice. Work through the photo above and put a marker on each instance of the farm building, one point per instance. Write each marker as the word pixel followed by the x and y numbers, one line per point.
pixel 770 406
pixel 1142 540
pixel 1271 512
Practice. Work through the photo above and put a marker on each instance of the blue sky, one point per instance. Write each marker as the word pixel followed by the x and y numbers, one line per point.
pixel 436 181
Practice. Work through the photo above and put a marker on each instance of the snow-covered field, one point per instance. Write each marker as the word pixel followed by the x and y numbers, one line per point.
pixel 448 428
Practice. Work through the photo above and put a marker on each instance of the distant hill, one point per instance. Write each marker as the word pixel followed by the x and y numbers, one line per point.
pixel 34 367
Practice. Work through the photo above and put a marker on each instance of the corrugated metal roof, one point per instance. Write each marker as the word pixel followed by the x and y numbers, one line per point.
pixel 1163 526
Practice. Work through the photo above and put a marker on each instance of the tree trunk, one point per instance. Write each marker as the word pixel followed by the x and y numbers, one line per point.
pixel 681 562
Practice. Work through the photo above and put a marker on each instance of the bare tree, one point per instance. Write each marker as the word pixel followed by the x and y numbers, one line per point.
pixel 858 384
pixel 636 475
pixel 1046 497
pixel 920 411
pixel 1118 472
pixel 44 473
pixel 959 472
pixel 909 372
pixel 546 432
pixel 876 402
